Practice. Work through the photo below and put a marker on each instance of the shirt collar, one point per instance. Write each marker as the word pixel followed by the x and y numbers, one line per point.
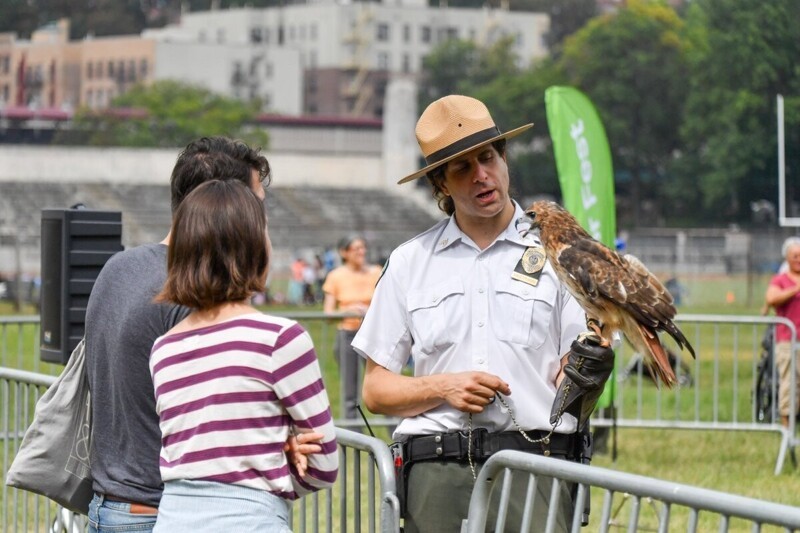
pixel 450 235
pixel 514 232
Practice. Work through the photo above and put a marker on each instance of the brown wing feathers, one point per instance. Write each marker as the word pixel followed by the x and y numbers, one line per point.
pixel 593 271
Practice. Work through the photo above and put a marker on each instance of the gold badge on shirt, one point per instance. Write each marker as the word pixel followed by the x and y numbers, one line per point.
pixel 530 265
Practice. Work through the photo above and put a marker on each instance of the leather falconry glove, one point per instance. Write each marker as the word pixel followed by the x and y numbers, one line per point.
pixel 589 364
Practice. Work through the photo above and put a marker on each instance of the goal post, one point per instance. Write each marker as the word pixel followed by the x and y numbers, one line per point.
pixel 783 220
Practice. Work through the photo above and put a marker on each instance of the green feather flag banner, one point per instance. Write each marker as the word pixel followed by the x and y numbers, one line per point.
pixel 583 160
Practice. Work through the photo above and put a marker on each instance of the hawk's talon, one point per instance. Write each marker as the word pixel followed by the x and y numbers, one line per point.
pixel 596 329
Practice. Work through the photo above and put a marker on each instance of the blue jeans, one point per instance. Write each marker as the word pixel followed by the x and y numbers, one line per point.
pixel 189 506
pixel 113 517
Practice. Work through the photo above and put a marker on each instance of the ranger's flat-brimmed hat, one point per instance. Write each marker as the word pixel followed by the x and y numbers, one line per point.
pixel 452 126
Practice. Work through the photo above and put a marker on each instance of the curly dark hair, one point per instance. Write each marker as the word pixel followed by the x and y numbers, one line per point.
pixel 210 158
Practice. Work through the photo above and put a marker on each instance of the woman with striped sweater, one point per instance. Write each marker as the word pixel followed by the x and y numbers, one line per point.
pixel 245 421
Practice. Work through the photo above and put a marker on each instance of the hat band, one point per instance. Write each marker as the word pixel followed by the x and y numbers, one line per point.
pixel 462 144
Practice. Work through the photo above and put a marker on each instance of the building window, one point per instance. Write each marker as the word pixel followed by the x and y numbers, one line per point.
pixel 312 32
pixel 132 70
pixel 5 94
pixel 383 32
pixel 406 33
pixel 302 30
pixel 4 64
pixel 89 98
pixel 90 71
pixel 406 63
pixel 383 61
pixel 221 35
pixel 99 69
pixel 447 34
pixel 425 34
pixel 268 70
pixel 255 35
pixel 312 59
pixel 143 67
pixel 267 100
pixel 110 69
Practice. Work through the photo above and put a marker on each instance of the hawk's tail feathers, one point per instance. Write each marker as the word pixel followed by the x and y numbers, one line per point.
pixel 679 337
pixel 658 362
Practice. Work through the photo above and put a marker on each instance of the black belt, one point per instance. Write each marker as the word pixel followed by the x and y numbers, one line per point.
pixel 455 446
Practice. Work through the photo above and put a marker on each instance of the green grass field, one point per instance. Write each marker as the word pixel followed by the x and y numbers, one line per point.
pixel 738 462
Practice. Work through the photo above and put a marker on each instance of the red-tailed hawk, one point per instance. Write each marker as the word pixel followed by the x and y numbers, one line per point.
pixel 618 292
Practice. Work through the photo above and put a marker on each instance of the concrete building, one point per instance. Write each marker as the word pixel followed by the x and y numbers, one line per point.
pixel 348 52
pixel 325 58
pixel 237 70
pixel 50 72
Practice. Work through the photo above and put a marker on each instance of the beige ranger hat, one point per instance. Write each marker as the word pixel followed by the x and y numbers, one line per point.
pixel 452 126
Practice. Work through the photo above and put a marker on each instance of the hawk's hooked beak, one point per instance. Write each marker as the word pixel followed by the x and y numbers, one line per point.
pixel 525 224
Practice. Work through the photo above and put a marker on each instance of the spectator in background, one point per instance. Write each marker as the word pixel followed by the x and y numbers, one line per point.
pixel 349 288
pixel 309 283
pixel 122 322
pixel 782 294
pixel 295 292
pixel 245 420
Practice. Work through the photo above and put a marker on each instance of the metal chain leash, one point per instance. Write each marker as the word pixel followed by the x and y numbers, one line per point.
pixel 543 440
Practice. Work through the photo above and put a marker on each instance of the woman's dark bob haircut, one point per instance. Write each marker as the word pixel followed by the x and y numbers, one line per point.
pixel 218 247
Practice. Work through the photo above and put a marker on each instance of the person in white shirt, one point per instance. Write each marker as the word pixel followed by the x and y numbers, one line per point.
pixel 480 310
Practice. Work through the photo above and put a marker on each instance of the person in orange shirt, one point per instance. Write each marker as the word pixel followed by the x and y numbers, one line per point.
pixel 349 288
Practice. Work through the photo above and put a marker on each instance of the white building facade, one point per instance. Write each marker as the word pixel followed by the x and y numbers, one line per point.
pixel 289 55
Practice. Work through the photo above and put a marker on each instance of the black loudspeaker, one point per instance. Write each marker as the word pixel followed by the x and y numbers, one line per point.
pixel 76 243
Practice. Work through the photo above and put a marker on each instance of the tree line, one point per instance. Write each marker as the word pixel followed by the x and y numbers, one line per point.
pixel 688 101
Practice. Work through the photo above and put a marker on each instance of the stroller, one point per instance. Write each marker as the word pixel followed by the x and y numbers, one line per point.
pixel 765 391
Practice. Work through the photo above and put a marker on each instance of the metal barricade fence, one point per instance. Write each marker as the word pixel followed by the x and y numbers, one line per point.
pixel 363 498
pixel 19 348
pixel 19 345
pixel 717 390
pixel 675 507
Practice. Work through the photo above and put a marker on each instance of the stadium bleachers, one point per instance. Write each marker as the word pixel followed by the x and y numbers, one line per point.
pixel 300 218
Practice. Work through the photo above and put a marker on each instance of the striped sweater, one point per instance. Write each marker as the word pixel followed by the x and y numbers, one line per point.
pixel 229 395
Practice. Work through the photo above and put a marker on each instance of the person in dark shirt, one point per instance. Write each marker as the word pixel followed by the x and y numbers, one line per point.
pixel 122 322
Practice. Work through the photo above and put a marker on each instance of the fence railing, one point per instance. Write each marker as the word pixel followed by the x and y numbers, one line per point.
pixel 717 392
pixel 19 348
pixel 718 389
pixel 363 498
pixel 625 497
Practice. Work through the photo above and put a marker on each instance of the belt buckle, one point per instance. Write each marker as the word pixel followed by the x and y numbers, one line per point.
pixel 479 442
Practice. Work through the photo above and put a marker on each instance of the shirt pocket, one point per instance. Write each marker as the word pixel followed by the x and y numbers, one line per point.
pixel 523 312
pixel 437 314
